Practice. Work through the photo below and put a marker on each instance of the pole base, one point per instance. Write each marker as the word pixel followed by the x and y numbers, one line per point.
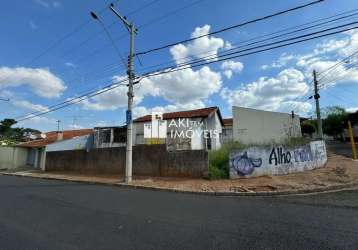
pixel 128 179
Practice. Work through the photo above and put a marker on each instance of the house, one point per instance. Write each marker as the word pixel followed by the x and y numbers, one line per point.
pixel 227 135
pixel 261 127
pixel 55 141
pixel 184 130
pixel 106 137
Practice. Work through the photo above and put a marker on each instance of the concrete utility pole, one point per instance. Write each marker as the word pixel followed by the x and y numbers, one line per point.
pixel 318 110
pixel 132 31
pixel 58 125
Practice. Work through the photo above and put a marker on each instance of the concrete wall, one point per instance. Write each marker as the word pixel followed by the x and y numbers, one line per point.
pixel 277 160
pixel 150 160
pixel 12 157
pixel 262 127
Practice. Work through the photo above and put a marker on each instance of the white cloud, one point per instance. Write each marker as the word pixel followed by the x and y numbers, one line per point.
pixel 231 67
pixel 117 97
pixel 75 126
pixel 38 122
pixel 180 88
pixel 33 25
pixel 352 109
pixel 40 80
pixel 280 62
pixel 48 4
pixel 56 4
pixel 141 110
pixel 70 64
pixel 205 46
pixel 185 86
pixel 43 3
pixel 28 105
pixel 270 93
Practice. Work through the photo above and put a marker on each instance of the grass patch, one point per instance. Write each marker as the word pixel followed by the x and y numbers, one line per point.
pixel 219 160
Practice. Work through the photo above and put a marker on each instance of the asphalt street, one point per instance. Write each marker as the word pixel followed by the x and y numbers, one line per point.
pixel 340 148
pixel 45 214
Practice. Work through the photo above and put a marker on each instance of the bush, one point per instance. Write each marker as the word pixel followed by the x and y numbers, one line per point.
pixel 219 160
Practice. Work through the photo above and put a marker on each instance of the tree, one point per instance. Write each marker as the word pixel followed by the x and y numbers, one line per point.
pixel 9 134
pixel 308 128
pixel 333 124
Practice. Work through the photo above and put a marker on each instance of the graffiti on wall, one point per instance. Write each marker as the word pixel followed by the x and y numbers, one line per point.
pixel 257 161
pixel 245 165
pixel 280 156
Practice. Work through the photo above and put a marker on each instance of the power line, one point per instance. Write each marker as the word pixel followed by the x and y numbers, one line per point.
pixel 59 41
pixel 230 27
pixel 260 41
pixel 338 17
pixel 233 55
pixel 108 88
pixel 125 34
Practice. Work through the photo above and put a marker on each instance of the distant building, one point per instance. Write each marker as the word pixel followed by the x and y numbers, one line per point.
pixel 252 126
pixel 55 141
pixel 227 134
pixel 185 130
pixel 105 137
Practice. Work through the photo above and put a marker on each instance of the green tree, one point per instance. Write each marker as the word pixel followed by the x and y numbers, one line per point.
pixel 12 135
pixel 334 122
pixel 307 127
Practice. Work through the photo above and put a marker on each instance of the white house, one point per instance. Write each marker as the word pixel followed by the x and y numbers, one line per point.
pixel 184 130
pixel 54 141
pixel 252 126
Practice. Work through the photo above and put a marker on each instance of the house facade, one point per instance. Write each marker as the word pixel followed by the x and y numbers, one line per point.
pixel 185 130
pixel 54 141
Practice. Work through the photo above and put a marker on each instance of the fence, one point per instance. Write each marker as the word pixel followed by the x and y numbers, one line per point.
pixel 148 160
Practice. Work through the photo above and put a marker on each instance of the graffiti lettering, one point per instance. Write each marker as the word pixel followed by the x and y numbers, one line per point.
pixel 245 165
pixel 279 157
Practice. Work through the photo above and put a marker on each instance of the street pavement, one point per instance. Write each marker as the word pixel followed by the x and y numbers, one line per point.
pixel 340 148
pixel 46 214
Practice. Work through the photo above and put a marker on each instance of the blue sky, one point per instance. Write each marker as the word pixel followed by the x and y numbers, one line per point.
pixel 35 74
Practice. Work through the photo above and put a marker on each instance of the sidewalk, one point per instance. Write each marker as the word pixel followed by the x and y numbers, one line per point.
pixel 340 172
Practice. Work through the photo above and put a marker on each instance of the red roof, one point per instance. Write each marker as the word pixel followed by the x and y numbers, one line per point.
pixel 51 137
pixel 227 121
pixel 204 112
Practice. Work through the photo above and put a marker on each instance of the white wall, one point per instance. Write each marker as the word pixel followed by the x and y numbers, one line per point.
pixel 261 127
pixel 277 160
pixel 12 157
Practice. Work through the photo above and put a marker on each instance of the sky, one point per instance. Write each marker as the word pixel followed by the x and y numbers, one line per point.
pixel 51 50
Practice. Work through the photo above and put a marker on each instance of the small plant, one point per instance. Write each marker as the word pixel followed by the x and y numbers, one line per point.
pixel 219 160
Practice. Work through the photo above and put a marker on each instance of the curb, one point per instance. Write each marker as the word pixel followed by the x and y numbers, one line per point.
pixel 333 188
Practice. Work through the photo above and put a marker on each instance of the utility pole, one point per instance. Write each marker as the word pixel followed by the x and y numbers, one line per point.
pixel 318 111
pixel 351 136
pixel 132 31
pixel 58 125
